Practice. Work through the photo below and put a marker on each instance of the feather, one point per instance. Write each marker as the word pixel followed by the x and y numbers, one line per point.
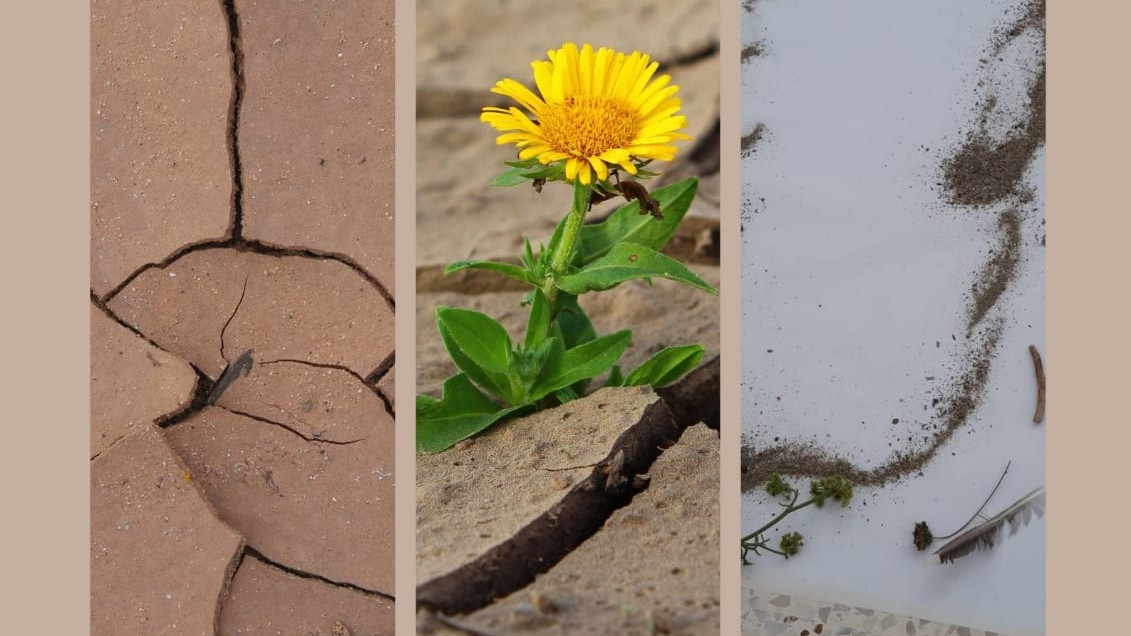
pixel 983 536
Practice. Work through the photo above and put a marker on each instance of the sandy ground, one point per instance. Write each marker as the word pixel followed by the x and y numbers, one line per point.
pixel 607 582
pixel 241 318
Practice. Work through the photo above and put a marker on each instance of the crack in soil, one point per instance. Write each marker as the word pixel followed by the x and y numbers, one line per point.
pixel 236 231
pixel 235 237
pixel 101 305
pixel 265 420
pixel 382 369
pixel 693 55
pixel 257 555
pixel 378 374
pixel 327 365
pixel 541 544
pixel 224 329
pixel 204 389
pixel 255 247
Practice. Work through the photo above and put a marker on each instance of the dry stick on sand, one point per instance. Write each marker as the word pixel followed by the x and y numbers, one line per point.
pixel 1040 369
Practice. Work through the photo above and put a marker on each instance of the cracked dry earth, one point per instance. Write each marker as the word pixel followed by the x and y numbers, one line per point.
pixel 521 530
pixel 242 409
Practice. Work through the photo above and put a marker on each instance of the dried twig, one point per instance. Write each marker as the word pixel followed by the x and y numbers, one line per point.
pixel 1039 415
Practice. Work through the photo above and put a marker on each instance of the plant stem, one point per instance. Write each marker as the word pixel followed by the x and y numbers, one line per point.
pixel 563 255
pixel 769 549
pixel 781 515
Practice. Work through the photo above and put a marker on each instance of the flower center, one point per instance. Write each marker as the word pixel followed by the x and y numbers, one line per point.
pixel 586 126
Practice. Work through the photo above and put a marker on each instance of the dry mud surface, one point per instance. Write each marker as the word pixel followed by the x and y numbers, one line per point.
pixel 241 318
pixel 522 529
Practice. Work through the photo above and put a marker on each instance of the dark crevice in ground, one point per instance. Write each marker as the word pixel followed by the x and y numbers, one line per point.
pixel 327 365
pixel 289 429
pixel 256 554
pixel 691 56
pixel 204 387
pixel 541 544
pixel 236 231
pixel 204 384
pixel 383 368
pixel 695 398
pixel 101 305
pixel 235 310
pixel 389 408
pixel 235 239
pixel 378 374
pixel 256 247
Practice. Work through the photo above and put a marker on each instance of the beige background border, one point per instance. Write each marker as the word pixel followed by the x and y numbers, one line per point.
pixel 44 176
pixel 405 368
pixel 1089 226
pixel 44 169
pixel 730 322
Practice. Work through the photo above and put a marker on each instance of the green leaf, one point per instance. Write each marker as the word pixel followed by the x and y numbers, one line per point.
pixel 506 269
pixel 524 163
pixel 538 324
pixel 567 394
pixel 582 362
pixel 572 323
pixel 510 177
pixel 549 172
pixel 627 224
pixel 616 378
pixel 667 366
pixel 461 412
pixel 627 261
pixel 480 347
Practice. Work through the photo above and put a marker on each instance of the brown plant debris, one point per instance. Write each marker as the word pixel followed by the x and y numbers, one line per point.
pixel 1039 368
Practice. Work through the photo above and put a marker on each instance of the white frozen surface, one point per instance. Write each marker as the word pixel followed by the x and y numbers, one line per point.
pixel 855 289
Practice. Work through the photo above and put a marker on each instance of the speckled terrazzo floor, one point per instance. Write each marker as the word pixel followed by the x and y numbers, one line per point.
pixel 769 614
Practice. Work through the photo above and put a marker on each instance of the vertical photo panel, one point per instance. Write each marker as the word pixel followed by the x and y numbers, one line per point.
pixel 893 317
pixel 567 321
pixel 241 308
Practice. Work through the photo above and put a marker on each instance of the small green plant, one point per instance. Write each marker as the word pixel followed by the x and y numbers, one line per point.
pixel 821 490
pixel 598 117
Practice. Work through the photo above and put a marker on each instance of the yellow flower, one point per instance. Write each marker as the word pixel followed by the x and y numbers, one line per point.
pixel 595 109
